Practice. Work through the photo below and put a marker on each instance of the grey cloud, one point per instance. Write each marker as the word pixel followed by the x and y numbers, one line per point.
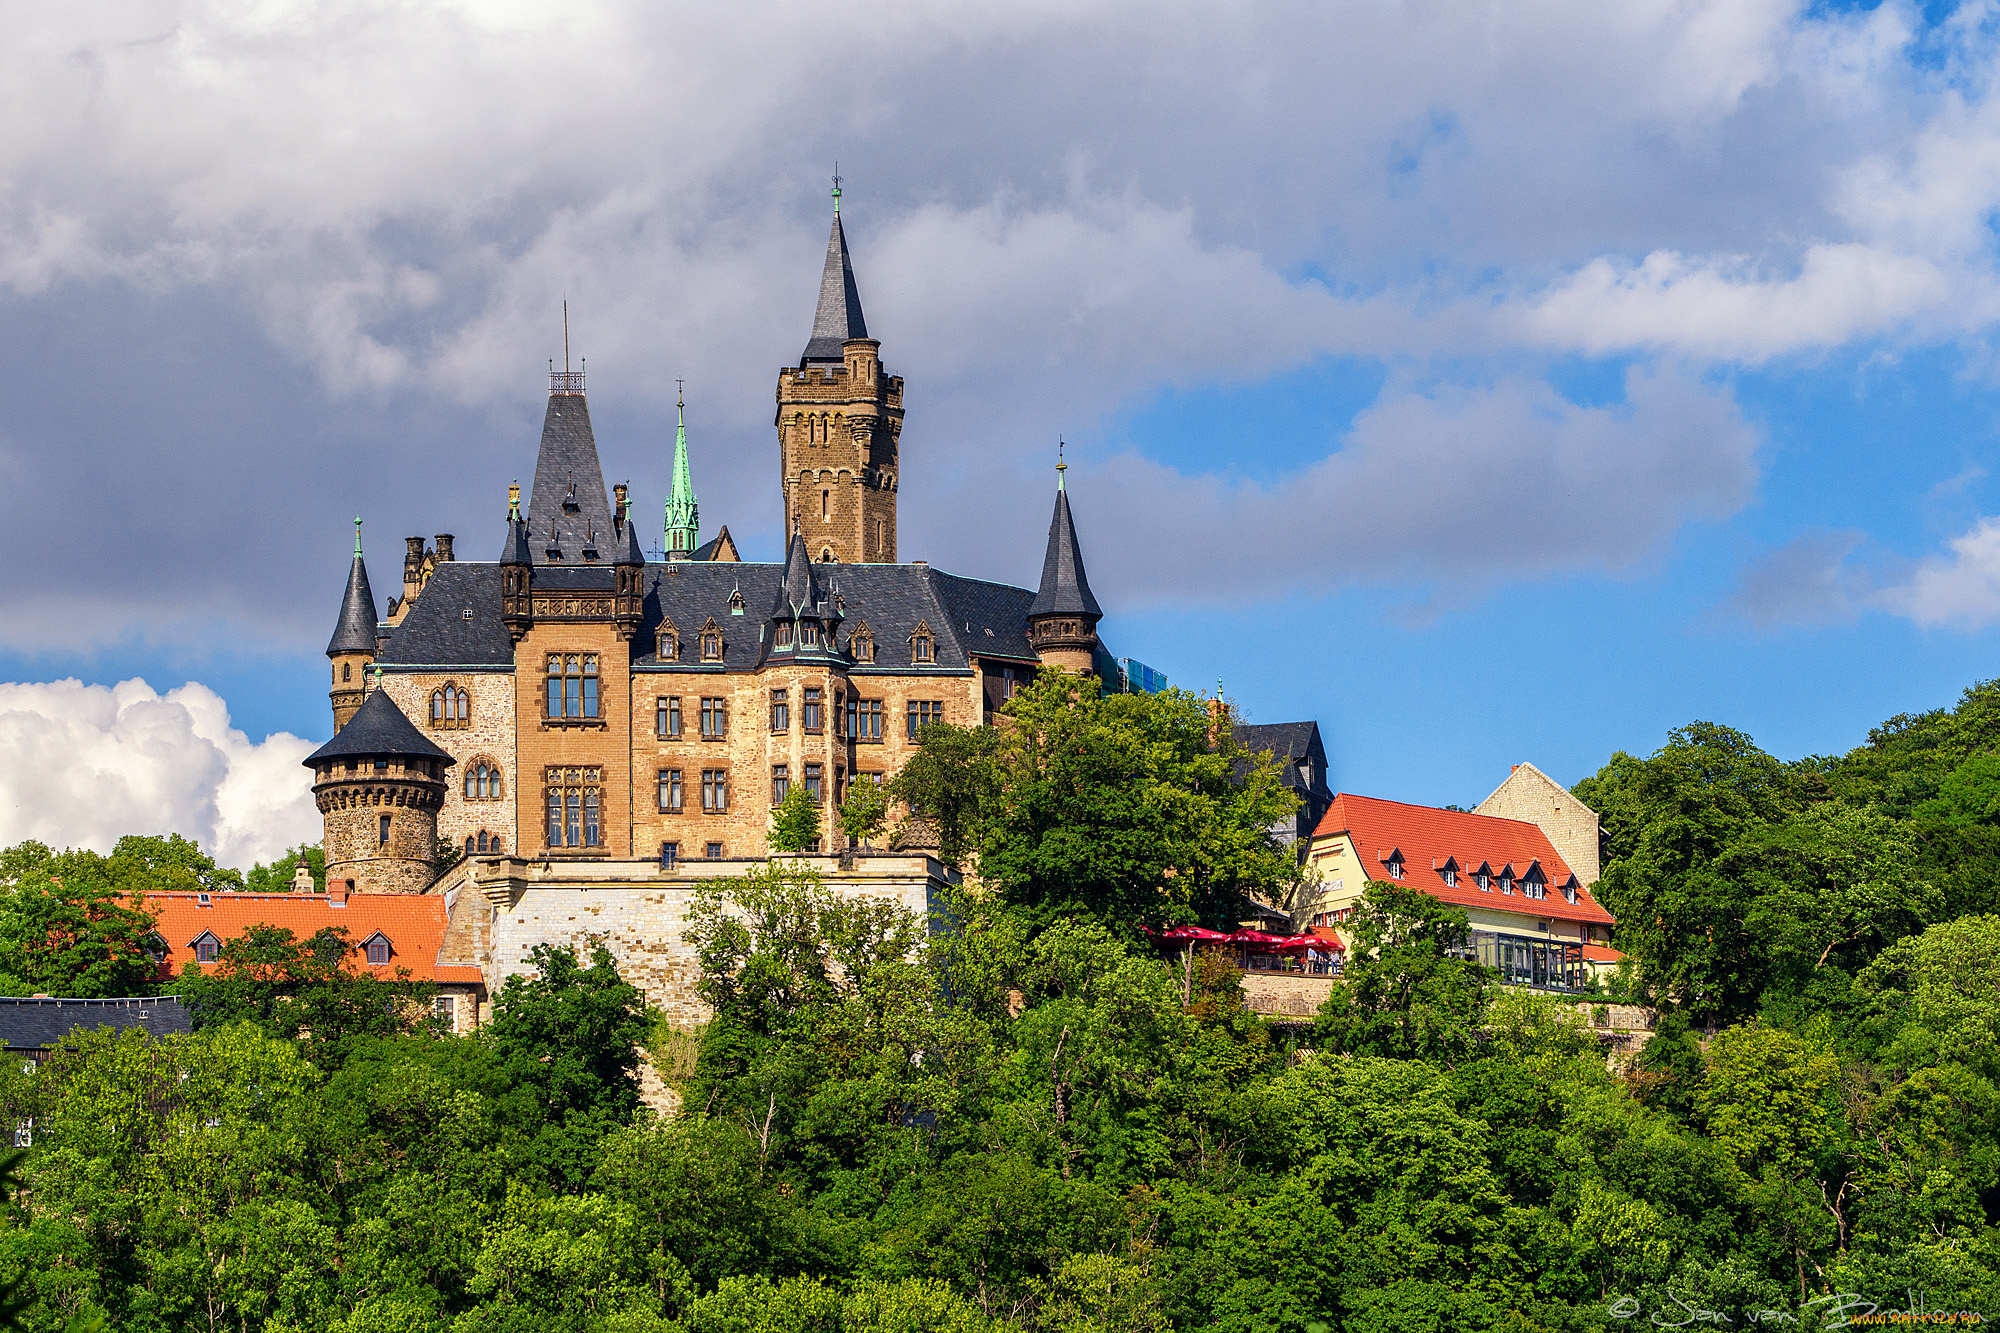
pixel 1807 582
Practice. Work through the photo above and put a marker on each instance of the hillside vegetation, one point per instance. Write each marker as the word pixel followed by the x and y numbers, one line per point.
pixel 1029 1122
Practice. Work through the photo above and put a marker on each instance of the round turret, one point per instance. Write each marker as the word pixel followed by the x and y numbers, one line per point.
pixel 379 786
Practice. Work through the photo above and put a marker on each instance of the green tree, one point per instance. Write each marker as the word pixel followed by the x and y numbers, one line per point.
pixel 78 937
pixel 1408 991
pixel 865 812
pixel 1766 1097
pixel 795 823
pixel 277 876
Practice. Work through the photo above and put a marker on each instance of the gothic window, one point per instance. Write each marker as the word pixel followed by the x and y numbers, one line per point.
pixel 923 645
pixel 781 783
pixel 810 713
pixel 450 706
pixel 572 686
pixel 714 791
pixel 346 672
pixel 714 719
pixel 826 555
pixel 669 643
pixel 572 799
pixel 923 712
pixel 377 946
pixel 670 791
pixel 861 643
pixel 781 710
pixel 482 781
pixel 667 717
pixel 711 633
pixel 471 844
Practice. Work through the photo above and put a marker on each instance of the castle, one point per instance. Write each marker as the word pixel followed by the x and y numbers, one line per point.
pixel 579 720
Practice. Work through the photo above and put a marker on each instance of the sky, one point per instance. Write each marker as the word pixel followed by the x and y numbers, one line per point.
pixel 1489 383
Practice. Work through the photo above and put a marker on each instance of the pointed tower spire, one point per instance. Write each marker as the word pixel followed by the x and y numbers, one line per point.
pixel 839 316
pixel 800 593
pixel 352 646
pixel 683 517
pixel 569 511
pixel 1062 620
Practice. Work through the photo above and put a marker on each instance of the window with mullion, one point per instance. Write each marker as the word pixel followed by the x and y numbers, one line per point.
pixel 572 687
pixel 811 709
pixel 714 719
pixel 573 800
pixel 714 790
pixel 667 717
pixel 670 791
pixel 781 710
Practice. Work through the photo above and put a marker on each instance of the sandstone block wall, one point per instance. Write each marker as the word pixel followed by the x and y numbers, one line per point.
pixel 489 735
pixel 1534 797
pixel 1285 994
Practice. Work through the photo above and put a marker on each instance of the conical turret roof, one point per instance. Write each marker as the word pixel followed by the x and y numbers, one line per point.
pixel 629 551
pixel 354 632
pixel 569 509
pixel 378 730
pixel 839 317
pixel 1065 588
pixel 683 511
pixel 800 593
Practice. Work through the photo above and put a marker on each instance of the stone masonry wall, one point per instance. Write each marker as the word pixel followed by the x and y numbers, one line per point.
pixel 1534 797
pixel 488 735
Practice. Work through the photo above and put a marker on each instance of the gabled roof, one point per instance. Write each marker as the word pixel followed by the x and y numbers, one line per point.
pixel 1065 589
pixel 1426 836
pixel 1287 740
pixel 839 315
pixel 569 509
pixel 378 729
pixel 38 1023
pixel 414 924
pixel 354 632
pixel 721 546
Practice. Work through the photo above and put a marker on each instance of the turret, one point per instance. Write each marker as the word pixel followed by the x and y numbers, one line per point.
pixel 352 648
pixel 517 570
pixel 628 574
pixel 683 515
pixel 379 785
pixel 804 622
pixel 1062 620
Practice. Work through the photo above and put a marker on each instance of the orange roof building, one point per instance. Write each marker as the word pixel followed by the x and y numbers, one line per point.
pixel 1531 916
pixel 388 932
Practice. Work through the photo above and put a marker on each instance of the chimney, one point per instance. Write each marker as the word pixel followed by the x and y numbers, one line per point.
pixel 413 567
pixel 618 492
pixel 444 548
pixel 337 891
pixel 1218 716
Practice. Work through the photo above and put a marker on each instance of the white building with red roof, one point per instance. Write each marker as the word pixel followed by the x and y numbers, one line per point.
pixel 1532 917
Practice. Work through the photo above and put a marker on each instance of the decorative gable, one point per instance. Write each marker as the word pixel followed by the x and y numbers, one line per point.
pixel 923 645
pixel 377 949
pixel 668 643
pixel 207 948
pixel 861 643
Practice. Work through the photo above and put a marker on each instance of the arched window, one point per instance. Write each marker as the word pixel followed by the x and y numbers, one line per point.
pixel 923 647
pixel 711 637
pixel 483 837
pixel 482 781
pixel 450 706
pixel 346 671
pixel 468 844
pixel 862 643
pixel 670 644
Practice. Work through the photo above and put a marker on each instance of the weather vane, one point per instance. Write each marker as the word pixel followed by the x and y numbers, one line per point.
pixel 836 187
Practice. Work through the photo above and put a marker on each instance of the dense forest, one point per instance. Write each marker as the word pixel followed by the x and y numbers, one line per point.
pixel 1016 1116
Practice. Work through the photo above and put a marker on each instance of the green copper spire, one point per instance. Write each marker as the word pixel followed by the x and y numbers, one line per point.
pixel 683 511
pixel 357 536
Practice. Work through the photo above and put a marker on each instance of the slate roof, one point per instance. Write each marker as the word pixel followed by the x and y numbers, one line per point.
pixel 892 599
pixel 1065 589
pixel 354 632
pixel 706 551
pixel 414 924
pixel 377 728
pixel 800 592
pixel 566 470
pixel 38 1024
pixel 1287 740
pixel 839 316
pixel 1427 836
pixel 516 551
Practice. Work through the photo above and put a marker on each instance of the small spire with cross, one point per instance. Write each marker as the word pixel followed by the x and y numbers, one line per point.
pixel 836 188
pixel 1061 467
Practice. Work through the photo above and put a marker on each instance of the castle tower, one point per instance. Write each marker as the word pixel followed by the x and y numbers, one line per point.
pixel 352 647
pixel 379 786
pixel 839 420
pixel 1062 620
pixel 683 519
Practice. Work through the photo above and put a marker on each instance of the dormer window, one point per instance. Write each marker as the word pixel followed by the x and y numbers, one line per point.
pixel 1395 864
pixel 1506 883
pixel 1484 881
pixel 207 948
pixel 861 643
pixel 711 642
pixel 1449 874
pixel 155 947
pixel 1533 885
pixel 377 949
pixel 669 645
pixel 1569 889
pixel 781 638
pixel 736 602
pixel 923 645
pixel 808 634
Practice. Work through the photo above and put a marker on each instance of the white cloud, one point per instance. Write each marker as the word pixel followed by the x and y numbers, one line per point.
pixel 83 765
pixel 1960 588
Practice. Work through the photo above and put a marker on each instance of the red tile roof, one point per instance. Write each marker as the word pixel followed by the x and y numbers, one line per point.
pixel 1428 837
pixel 1598 953
pixel 413 923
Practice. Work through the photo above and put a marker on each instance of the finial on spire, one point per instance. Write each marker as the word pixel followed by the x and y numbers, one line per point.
pixel 836 187
pixel 1061 467
pixel 357 537
pixel 565 335
pixel 514 499
pixel 680 393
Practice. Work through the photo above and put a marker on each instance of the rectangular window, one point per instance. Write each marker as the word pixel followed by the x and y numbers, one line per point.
pixel 922 713
pixel 781 782
pixel 670 855
pixel 714 790
pixel 573 799
pixel 1450 877
pixel 670 791
pixel 572 686
pixel 714 719
pixel 667 717
pixel 715 851
pixel 813 781
pixel 446 1007
pixel 1506 886
pixel 811 710
pixel 808 634
pixel 385 831
pixel 782 635
pixel 781 710
pixel 864 719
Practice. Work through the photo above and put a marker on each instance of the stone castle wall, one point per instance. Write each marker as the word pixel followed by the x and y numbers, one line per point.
pixel 488 735
pixel 1534 797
